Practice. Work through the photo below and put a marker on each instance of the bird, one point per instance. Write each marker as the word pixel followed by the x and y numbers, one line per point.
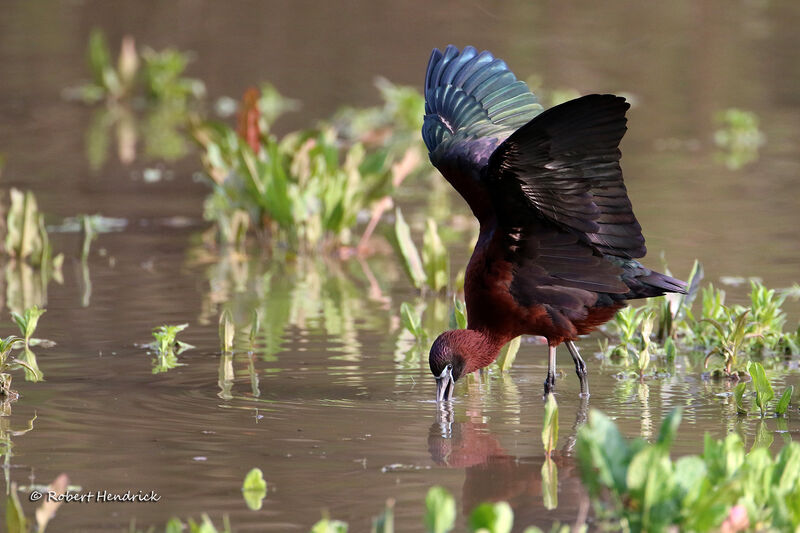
pixel 557 251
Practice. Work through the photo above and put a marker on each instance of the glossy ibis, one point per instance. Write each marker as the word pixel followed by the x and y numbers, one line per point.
pixel 556 254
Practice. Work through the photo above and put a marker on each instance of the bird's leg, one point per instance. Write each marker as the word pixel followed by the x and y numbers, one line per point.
pixel 550 380
pixel 580 368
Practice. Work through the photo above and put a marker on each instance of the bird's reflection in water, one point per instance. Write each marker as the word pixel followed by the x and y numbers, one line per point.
pixel 492 474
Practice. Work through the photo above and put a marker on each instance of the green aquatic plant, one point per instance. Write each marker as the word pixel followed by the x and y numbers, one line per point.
pixel 440 510
pixel 492 518
pixel 156 75
pixel 26 236
pixel 205 525
pixel 8 363
pixel 730 339
pixel 384 523
pixel 254 489
pixel 508 354
pixel 550 425
pixel 167 347
pixel 738 137
pixel 761 384
pixel 309 187
pixel 458 314
pixel 783 402
pixel 27 322
pixel 227 330
pixel 17 522
pixel 635 485
pixel 326 525
pixel 412 322
pixel 430 269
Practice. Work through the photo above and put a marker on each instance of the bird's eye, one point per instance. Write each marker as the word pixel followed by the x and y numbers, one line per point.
pixel 449 367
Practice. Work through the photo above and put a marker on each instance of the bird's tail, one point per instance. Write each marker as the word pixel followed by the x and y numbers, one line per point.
pixel 654 284
pixel 645 283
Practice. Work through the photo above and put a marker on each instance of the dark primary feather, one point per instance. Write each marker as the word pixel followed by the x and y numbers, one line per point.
pixel 472 102
pixel 564 165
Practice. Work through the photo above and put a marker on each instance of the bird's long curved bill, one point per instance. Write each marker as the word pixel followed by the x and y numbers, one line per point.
pixel 444 386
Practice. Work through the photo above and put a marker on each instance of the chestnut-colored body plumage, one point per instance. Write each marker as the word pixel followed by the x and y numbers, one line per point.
pixel 556 253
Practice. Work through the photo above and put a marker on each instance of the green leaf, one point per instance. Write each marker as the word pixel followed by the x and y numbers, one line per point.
pixel 669 428
pixel 764 392
pixel 411 321
pixel 174 526
pixel 550 427
pixel 408 250
pixel 255 325
pixel 326 525
pixel 226 331
pixel 458 315
pixel 435 260
pixel 440 510
pixel 492 517
pixel 764 438
pixel 783 403
pixel 738 396
pixel 385 522
pixel 509 354
pixel 254 489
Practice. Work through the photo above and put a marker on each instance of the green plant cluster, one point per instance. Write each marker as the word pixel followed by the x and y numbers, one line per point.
pixel 738 137
pixel 636 486
pixel 728 335
pixel 310 186
pixel 26 359
pixel 167 347
pixel 156 75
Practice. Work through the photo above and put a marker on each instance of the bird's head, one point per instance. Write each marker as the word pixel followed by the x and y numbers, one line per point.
pixel 458 352
pixel 447 364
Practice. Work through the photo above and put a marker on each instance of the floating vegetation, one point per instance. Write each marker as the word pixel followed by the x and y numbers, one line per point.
pixel 167 347
pixel 308 188
pixel 738 137
pixel 635 485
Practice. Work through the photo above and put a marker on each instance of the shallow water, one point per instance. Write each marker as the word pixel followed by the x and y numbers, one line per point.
pixel 343 418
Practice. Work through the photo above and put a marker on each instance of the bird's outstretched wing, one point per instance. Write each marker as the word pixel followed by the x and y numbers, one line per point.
pixel 472 103
pixel 563 165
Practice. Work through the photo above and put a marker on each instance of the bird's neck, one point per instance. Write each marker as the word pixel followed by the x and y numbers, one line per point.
pixel 479 348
